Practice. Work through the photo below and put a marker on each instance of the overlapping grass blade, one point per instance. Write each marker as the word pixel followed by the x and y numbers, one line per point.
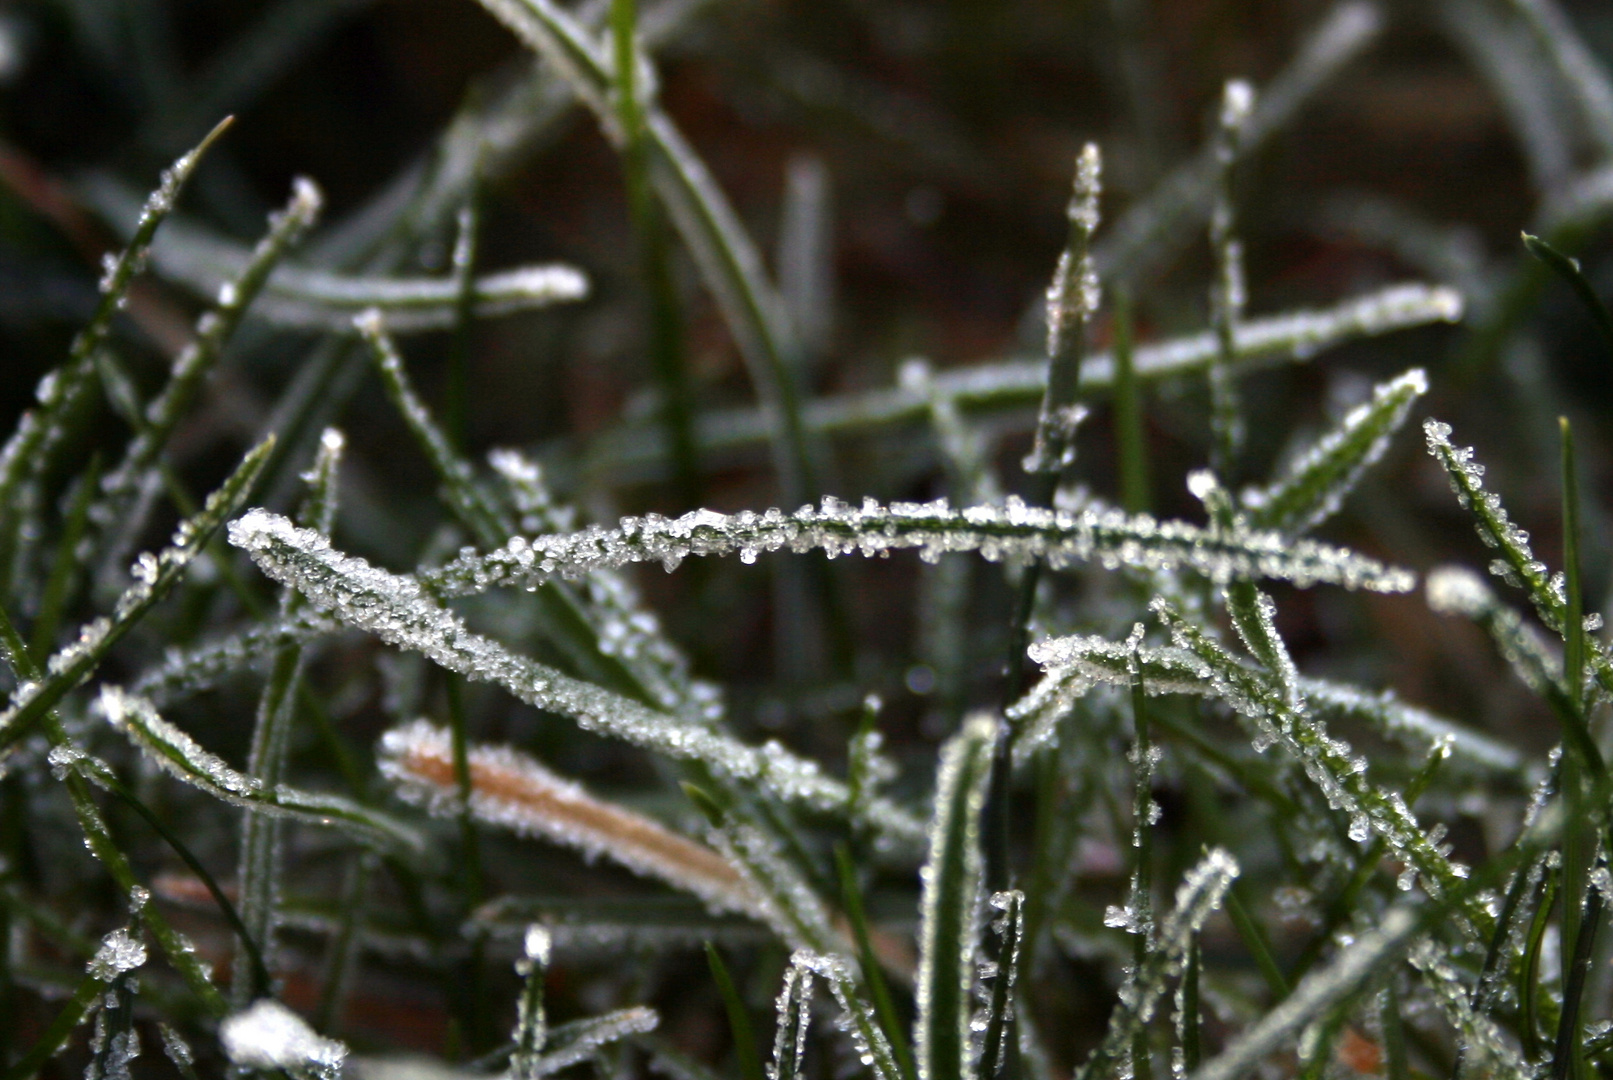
pixel 154 576
pixel 399 611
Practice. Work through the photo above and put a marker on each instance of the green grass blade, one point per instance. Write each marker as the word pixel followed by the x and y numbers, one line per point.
pixel 710 228
pixel 873 976
pixel 746 1053
pixel 1009 926
pixel 1129 432
pixel 794 1007
pixel 1569 270
pixel 952 881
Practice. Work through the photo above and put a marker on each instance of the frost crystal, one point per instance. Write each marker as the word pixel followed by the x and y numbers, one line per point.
pixel 267 1035
pixel 119 952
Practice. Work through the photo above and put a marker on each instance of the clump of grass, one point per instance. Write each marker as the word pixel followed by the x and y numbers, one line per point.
pixel 1146 840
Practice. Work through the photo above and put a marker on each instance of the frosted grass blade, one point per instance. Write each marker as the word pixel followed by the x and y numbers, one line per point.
pixel 1484 1048
pixel 511 790
pixel 873 1047
pixel 953 877
pixel 40 430
pixel 1009 925
pixel 184 672
pixel 260 861
pixel 531 1022
pixel 794 1015
pixel 581 1040
pixel 1013 533
pixel 1578 68
pixel 1072 303
pixel 1517 565
pixel 1227 292
pixel 268 1036
pixel 884 1008
pixel 212 333
pixel 1295 336
pixel 1329 763
pixel 119 952
pixel 1200 893
pixel 154 576
pixel 398 610
pixel 179 755
pixel 1314 485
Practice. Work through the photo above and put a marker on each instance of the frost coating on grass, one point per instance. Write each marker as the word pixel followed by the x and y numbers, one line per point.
pixel 1456 590
pixel 120 951
pixel 267 1035
pixel 793 1010
pixel 1280 715
pixel 1517 565
pixel 511 790
pixel 1200 893
pixel 953 876
pixel 398 610
pixel 857 1018
pixel 1314 485
pixel 183 672
pixel 1013 533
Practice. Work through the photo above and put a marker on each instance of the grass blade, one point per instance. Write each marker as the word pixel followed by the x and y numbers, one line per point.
pixel 952 880
pixel 739 1025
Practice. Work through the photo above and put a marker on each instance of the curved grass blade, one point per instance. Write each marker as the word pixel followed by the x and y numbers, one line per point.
pixel 1517 565
pixel 873 1048
pixel 1569 270
pixel 179 755
pixel 953 876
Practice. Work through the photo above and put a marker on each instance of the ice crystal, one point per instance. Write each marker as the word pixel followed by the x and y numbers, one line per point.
pixel 873 1047
pixel 120 951
pixel 510 789
pixel 267 1035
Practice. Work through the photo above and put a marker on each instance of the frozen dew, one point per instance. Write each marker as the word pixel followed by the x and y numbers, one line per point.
pixel 536 943
pixel 267 1035
pixel 120 951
